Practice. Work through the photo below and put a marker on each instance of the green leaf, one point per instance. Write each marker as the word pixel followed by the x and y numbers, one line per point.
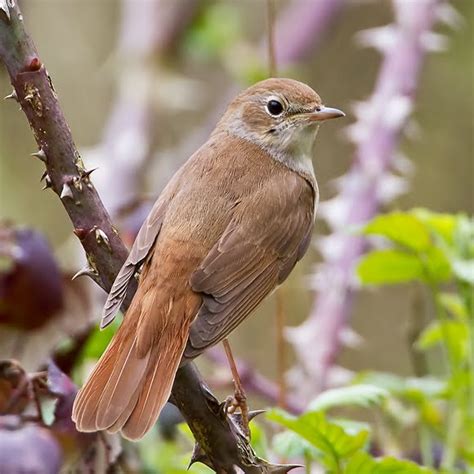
pixel 411 388
pixel 441 224
pixel 388 267
pixel 436 264
pixel 330 439
pixel 215 31
pixel 402 228
pixel 362 463
pixel 99 340
pixel 437 332
pixel 291 445
pixel 454 304
pixel 259 440
pixel 362 394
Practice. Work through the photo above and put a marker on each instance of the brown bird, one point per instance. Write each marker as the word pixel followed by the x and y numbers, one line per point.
pixel 226 231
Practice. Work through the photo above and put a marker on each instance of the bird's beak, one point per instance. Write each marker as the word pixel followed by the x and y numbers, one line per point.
pixel 325 113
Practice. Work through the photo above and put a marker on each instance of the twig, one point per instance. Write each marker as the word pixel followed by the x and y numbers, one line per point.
pixel 280 342
pixel 271 38
pixel 105 251
pixel 281 348
pixel 368 184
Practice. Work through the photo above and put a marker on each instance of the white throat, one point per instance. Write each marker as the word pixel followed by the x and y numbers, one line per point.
pixel 293 148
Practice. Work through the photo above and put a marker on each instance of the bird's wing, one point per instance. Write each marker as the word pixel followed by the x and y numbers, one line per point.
pixel 268 234
pixel 141 248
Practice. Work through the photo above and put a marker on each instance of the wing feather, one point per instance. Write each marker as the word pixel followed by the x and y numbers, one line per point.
pixel 138 254
pixel 251 258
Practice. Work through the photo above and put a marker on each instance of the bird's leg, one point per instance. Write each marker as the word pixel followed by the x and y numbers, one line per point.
pixel 240 399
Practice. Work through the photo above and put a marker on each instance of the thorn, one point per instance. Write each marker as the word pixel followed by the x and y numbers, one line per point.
pixel 86 173
pixel 13 96
pixel 43 176
pixel 40 154
pixel 237 417
pixel 101 238
pixel 281 468
pixel 66 192
pixel 254 413
pixel 86 271
pixel 47 182
pixel 199 455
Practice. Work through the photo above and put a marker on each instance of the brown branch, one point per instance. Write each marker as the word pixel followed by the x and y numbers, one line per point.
pixel 217 435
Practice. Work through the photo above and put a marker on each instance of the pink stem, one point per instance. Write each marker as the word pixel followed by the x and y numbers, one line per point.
pixel 376 134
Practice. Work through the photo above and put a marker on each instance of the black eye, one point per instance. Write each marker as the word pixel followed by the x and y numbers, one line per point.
pixel 274 107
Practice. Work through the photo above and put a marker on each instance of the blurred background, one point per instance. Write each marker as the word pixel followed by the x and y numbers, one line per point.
pixel 143 82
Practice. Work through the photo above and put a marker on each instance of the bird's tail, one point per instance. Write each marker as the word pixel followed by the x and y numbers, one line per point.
pixel 133 379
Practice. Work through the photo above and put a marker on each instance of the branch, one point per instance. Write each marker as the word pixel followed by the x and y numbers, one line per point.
pixel 68 178
pixel 369 183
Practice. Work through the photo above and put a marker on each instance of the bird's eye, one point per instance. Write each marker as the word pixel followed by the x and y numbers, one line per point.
pixel 274 107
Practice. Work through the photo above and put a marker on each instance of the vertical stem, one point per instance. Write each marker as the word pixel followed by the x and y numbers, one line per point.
pixel 467 292
pixel 455 413
pixel 280 312
pixel 452 437
pixel 281 347
pixel 426 446
pixel 272 68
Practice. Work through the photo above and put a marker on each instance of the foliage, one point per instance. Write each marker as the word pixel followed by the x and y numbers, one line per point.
pixel 336 448
pixel 436 409
pixel 437 251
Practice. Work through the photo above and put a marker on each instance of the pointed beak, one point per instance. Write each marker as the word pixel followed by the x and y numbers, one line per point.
pixel 325 113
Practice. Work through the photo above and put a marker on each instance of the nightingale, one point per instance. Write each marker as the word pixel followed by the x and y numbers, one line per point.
pixel 225 232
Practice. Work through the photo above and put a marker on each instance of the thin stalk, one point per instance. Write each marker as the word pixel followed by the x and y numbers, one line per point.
pixel 454 429
pixel 455 412
pixel 281 349
pixel 307 463
pixel 272 68
pixel 426 446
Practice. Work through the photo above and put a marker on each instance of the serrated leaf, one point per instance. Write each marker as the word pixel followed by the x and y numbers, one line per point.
pixel 403 228
pixel 362 463
pixel 361 394
pixel 388 267
pixel 329 438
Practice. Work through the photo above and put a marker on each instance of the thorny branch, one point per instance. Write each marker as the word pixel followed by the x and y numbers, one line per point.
pixel 219 440
pixel 369 183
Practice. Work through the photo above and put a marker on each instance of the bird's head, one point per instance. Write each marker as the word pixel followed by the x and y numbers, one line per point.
pixel 280 115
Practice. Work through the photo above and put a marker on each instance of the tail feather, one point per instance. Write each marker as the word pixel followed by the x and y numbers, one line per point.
pixel 127 373
pixel 132 380
pixel 85 405
pixel 157 384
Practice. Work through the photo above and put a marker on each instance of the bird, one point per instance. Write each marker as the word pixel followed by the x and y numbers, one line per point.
pixel 225 232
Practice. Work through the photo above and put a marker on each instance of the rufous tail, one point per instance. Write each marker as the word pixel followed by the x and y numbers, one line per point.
pixel 133 379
